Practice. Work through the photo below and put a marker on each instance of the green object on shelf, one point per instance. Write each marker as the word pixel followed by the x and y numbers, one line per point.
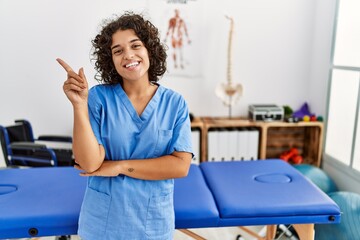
pixel 320 119
pixel 288 111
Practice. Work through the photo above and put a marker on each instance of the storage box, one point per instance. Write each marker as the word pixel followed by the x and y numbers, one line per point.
pixel 266 112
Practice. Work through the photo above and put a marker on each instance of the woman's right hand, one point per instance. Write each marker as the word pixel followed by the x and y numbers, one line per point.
pixel 75 86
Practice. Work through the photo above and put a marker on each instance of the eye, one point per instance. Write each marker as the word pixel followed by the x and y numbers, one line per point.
pixel 136 46
pixel 117 51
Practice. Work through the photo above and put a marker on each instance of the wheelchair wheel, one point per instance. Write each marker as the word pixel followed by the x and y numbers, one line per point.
pixel 239 237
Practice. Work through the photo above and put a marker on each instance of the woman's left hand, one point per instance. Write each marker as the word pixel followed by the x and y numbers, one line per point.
pixel 107 169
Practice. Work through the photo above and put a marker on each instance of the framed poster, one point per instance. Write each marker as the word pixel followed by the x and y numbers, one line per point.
pixel 180 23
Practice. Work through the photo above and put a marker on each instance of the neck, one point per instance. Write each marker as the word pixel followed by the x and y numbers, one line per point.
pixel 136 89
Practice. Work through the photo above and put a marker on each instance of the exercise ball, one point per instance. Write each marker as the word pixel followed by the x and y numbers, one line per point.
pixel 348 228
pixel 318 177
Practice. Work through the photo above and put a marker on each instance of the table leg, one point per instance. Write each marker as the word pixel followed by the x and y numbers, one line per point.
pixel 191 234
pixel 270 232
pixel 252 233
pixel 305 231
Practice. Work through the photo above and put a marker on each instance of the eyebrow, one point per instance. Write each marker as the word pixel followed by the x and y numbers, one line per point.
pixel 118 45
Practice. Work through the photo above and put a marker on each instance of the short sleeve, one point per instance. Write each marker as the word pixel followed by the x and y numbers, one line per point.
pixel 182 141
pixel 95 114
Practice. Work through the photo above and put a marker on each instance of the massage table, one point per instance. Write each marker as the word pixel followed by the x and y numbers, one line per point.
pixel 46 201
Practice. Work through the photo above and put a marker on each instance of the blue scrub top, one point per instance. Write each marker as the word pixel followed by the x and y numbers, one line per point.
pixel 123 207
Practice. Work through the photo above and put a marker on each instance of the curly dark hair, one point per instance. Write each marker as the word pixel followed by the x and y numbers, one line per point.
pixel 147 33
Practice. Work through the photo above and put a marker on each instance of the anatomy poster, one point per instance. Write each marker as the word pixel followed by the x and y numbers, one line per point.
pixel 179 23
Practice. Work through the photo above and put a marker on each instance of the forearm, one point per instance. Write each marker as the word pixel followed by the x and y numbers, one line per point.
pixel 88 153
pixel 165 167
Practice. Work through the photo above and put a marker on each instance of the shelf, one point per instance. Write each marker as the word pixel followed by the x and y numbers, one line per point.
pixel 274 138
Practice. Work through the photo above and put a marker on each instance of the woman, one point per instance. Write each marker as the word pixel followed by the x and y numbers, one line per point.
pixel 131 136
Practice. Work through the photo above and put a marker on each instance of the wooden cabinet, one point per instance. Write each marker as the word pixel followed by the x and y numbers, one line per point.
pixel 274 138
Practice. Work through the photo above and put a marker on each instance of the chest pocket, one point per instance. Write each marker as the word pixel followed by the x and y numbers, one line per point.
pixel 163 142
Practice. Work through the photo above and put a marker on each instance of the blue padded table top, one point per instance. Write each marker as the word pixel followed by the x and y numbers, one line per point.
pixel 40 201
pixel 193 202
pixel 47 201
pixel 266 192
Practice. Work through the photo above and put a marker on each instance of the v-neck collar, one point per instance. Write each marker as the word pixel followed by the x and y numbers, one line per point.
pixel 150 107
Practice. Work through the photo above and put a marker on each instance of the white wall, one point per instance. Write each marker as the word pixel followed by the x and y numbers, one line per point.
pixel 281 55
pixel 321 54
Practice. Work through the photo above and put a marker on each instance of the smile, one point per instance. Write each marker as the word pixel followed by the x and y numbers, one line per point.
pixel 133 64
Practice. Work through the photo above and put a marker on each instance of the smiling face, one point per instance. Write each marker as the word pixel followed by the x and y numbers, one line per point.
pixel 130 56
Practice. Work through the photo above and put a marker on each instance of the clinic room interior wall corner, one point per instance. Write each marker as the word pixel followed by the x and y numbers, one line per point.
pixel 321 54
pixel 273 44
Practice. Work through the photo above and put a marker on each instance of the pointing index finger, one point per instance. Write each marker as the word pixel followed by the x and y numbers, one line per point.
pixel 64 65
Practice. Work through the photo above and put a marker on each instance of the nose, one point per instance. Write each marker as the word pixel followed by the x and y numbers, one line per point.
pixel 128 54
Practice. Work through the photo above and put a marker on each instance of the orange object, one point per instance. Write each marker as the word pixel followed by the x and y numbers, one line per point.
pixel 296 159
pixel 289 154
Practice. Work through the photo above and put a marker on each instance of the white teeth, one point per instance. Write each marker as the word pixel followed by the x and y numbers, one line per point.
pixel 132 64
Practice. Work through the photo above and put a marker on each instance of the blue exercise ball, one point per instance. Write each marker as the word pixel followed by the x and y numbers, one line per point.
pixel 349 227
pixel 318 177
